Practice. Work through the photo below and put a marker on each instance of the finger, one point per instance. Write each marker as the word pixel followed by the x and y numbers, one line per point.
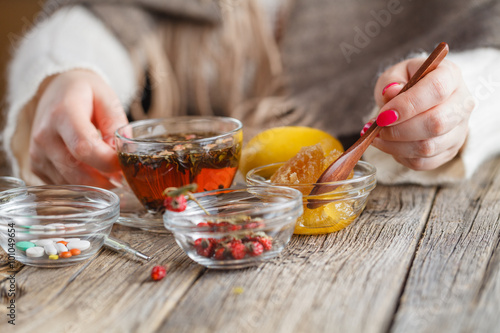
pixel 434 122
pixel 109 112
pixel 391 90
pixel 433 89
pixel 43 168
pixel 39 162
pixel 424 148
pixel 431 163
pixel 74 171
pixel 82 138
pixel 388 83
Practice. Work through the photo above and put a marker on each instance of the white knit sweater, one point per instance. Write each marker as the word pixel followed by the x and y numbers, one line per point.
pixel 61 44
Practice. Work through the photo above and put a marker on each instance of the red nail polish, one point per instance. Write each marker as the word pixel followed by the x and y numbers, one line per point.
pixel 388 86
pixel 387 117
pixel 365 128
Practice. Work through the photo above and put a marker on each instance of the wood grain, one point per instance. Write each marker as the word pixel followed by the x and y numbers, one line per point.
pixel 108 293
pixel 349 281
pixel 419 259
pixel 453 283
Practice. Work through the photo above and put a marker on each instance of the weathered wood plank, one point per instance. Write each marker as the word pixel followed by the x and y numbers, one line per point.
pixel 348 281
pixel 454 275
pixel 108 293
pixel 483 312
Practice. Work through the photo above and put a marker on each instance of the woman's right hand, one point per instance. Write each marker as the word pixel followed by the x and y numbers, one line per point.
pixel 75 111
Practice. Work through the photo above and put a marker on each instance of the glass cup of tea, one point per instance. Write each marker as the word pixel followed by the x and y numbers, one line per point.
pixel 159 153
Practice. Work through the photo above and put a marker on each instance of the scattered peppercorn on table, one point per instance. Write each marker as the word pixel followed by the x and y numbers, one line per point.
pixel 419 259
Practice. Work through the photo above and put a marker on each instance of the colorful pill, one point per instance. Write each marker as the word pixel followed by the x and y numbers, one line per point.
pixel 63 242
pixel 53 257
pixel 23 246
pixel 66 254
pixel 75 252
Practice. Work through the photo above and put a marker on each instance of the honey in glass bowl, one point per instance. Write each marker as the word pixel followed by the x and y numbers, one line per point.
pixel 339 208
pixel 160 153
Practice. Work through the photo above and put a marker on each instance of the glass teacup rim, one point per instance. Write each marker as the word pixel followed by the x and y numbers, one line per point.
pixel 144 122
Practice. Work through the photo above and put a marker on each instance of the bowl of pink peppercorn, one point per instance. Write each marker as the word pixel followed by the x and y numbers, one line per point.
pixel 236 228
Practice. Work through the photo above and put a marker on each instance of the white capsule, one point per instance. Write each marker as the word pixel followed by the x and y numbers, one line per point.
pixel 43 242
pixel 80 245
pixel 50 249
pixel 61 248
pixel 35 252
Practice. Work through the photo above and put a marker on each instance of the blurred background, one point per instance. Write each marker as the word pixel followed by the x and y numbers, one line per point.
pixel 16 17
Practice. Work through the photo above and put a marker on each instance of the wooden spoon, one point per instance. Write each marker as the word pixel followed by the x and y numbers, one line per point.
pixel 342 167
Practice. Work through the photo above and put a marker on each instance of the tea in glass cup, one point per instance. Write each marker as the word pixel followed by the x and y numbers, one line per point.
pixel 160 153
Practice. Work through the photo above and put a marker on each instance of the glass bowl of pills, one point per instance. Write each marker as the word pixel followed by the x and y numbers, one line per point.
pixel 53 226
pixel 336 209
pixel 236 228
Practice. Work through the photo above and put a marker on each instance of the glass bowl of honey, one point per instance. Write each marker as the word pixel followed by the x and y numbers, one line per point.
pixel 337 209
pixel 157 154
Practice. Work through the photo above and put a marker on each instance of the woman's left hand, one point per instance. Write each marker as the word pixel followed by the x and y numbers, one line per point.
pixel 426 126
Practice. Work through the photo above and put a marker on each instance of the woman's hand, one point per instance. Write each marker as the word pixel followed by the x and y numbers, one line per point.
pixel 75 110
pixel 426 126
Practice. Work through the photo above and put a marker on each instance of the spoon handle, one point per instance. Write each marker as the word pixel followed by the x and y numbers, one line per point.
pixel 342 167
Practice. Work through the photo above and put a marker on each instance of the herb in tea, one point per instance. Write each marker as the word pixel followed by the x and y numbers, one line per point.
pixel 212 165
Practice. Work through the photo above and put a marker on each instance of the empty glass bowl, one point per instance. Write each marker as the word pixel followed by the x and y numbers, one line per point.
pixel 51 226
pixel 341 206
pixel 245 226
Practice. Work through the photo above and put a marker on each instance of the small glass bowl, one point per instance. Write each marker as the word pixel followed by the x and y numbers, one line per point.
pixel 8 183
pixel 245 226
pixel 35 216
pixel 159 153
pixel 341 206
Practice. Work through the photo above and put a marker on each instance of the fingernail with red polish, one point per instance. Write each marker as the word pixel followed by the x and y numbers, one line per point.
pixel 387 117
pixel 365 128
pixel 388 86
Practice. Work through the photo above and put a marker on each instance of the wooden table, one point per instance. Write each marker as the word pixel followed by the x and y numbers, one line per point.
pixel 419 259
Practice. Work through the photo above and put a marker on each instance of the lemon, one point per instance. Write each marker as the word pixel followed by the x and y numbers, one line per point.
pixel 325 219
pixel 279 144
